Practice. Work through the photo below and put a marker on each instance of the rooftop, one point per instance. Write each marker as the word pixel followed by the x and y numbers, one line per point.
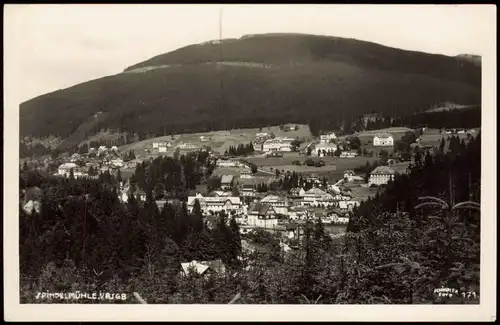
pixel 383 135
pixel 214 200
pixel 326 145
pixel 68 165
pixel 295 191
pixel 226 179
pixel 316 191
pixel 260 208
pixel 383 170
pixel 274 198
pixel 201 266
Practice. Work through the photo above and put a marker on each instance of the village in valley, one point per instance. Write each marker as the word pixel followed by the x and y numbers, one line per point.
pixel 274 179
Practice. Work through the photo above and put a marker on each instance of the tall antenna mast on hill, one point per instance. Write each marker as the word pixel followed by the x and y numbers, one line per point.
pixel 220 68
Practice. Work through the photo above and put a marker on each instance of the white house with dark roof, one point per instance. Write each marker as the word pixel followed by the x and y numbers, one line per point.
pixel 279 203
pixel 247 190
pixel 64 169
pixel 203 268
pixel 327 138
pixel 246 173
pixel 313 178
pixel 215 204
pixel 277 144
pixel 383 140
pixel 381 175
pixel 229 163
pixel 262 215
pixel 317 197
pixel 347 205
pixel 299 213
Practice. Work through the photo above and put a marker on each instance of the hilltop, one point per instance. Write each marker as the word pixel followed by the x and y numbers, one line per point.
pixel 253 81
pixel 476 59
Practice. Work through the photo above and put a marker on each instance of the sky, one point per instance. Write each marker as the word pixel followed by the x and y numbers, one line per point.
pixel 51 47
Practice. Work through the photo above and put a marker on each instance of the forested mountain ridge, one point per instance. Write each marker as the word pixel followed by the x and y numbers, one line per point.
pixel 290 49
pixel 260 80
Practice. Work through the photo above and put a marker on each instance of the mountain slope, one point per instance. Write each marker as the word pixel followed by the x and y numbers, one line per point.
pixel 258 80
pixel 296 49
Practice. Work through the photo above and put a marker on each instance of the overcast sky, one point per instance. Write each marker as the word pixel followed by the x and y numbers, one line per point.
pixel 50 47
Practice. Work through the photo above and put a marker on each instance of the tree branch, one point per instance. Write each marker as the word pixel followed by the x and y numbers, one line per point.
pixel 435 199
pixel 238 296
pixel 431 204
pixel 139 298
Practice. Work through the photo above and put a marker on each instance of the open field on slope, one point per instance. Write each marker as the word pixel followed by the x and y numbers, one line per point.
pixel 392 130
pixel 220 140
pixel 433 137
pixel 333 169
pixel 429 137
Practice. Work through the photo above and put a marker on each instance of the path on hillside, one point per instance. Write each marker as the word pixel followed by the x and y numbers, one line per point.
pixel 263 155
pixel 266 172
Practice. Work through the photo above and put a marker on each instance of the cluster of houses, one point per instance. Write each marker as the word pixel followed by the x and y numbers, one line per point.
pixel 459 131
pixel 103 151
pixel 187 146
pixel 328 145
pixel 324 149
pixel 260 138
pixel 271 210
pixel 164 146
pixel 99 160
pixel 290 127
pixel 327 138
pixel 161 146
pixel 268 210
